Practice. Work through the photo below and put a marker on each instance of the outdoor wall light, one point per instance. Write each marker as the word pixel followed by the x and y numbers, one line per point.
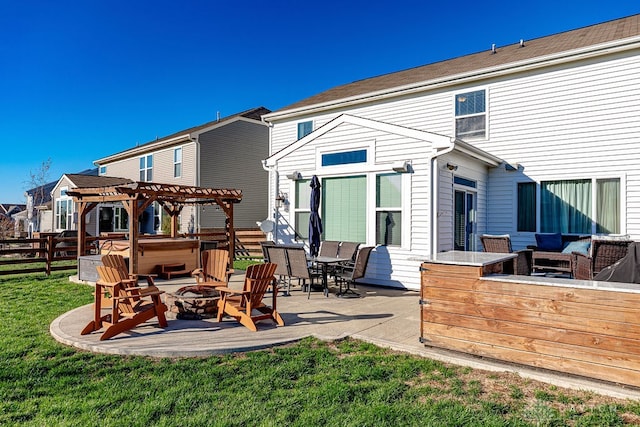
pixel 294 176
pixel 401 167
pixel 452 167
pixel 281 200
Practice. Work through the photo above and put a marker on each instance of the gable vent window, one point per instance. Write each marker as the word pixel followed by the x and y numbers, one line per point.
pixel 471 116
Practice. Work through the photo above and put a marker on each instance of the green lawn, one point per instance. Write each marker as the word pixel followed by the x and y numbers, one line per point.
pixel 346 383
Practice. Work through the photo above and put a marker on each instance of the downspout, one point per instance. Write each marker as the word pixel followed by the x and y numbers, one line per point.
pixel 198 208
pixel 434 194
pixel 273 169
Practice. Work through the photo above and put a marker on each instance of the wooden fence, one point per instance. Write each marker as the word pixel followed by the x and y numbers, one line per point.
pixel 50 253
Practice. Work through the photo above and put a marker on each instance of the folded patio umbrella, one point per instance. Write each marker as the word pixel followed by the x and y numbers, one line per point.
pixel 315 222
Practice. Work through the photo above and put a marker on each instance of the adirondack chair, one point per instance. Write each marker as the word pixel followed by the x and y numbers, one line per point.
pixel 130 305
pixel 118 263
pixel 215 268
pixel 241 305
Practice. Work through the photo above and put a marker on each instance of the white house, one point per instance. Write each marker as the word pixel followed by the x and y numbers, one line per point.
pixel 542 135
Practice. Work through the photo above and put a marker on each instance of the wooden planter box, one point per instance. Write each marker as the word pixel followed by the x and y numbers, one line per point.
pixel 585 328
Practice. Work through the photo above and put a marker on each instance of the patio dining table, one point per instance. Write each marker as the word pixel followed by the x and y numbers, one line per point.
pixel 324 262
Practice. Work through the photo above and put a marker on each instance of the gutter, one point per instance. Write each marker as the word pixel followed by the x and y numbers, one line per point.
pixel 470 76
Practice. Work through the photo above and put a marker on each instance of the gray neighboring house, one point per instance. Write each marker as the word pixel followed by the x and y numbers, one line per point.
pixel 225 153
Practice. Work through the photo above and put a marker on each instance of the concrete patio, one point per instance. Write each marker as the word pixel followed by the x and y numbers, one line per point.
pixel 385 317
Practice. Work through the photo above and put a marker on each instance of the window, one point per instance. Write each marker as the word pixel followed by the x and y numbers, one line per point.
pixel 304 129
pixel 302 208
pixel 568 206
pixel 177 162
pixel 64 211
pixel 120 219
pixel 389 209
pixel 527 206
pixel 344 158
pixel 471 114
pixel 146 168
pixel 344 208
pixel 103 170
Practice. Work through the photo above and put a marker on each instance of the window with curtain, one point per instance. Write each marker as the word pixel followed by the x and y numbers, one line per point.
pixel 302 208
pixel 527 206
pixel 344 208
pixel 566 206
pixel 304 129
pixel 471 117
pixel 389 209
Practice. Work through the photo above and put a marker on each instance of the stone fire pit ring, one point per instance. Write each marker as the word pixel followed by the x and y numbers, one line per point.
pixel 194 302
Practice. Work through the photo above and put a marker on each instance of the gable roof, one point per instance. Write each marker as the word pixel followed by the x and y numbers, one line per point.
pixel 254 115
pixel 44 191
pixel 595 37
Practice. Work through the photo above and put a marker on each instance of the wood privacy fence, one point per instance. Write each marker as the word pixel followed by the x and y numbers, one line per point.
pixel 50 253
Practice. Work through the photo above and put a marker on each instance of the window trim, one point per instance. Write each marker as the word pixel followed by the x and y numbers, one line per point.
pixel 177 162
pixel 462 116
pixel 303 122
pixel 70 206
pixel 594 179
pixel 146 169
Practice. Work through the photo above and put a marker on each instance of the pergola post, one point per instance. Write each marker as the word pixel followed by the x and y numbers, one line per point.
pixel 83 209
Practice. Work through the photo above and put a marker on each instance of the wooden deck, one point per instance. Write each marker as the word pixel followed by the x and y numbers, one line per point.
pixel 585 328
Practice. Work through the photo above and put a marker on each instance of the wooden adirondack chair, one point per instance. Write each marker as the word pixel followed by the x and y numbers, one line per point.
pixel 242 304
pixel 130 305
pixel 215 268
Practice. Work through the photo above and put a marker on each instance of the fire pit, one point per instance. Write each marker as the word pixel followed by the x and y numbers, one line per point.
pixel 194 302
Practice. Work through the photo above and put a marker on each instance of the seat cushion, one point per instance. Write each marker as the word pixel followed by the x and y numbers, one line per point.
pixel 581 247
pixel 551 242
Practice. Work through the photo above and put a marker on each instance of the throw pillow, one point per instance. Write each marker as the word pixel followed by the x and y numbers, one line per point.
pixel 549 242
pixel 582 247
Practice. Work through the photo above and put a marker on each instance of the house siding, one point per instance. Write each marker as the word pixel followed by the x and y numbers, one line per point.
pixel 163 173
pixel 230 157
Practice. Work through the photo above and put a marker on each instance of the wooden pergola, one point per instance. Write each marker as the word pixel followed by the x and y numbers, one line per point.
pixel 137 196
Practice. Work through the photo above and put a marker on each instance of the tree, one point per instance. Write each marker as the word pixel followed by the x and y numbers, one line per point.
pixel 37 193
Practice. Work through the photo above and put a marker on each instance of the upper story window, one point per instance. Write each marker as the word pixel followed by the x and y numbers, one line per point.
pixel 146 168
pixel 177 162
pixel 304 129
pixel 471 116
pixel 103 170
pixel 344 158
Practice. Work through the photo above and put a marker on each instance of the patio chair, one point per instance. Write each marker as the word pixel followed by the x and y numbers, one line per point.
pixel 329 248
pixel 130 305
pixel 349 276
pixel 278 255
pixel 118 263
pixel 264 245
pixel 603 253
pixel 502 244
pixel 241 305
pixel 299 268
pixel 215 269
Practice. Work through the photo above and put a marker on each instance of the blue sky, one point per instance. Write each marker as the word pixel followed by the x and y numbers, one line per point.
pixel 80 80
